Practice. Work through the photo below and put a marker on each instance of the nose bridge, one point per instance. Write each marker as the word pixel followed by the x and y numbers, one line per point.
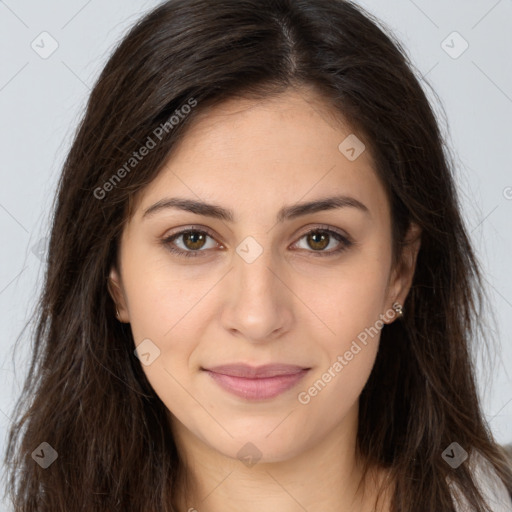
pixel 257 285
pixel 256 280
pixel 258 307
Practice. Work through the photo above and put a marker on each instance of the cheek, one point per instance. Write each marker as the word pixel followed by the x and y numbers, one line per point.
pixel 352 305
pixel 353 310
pixel 334 391
pixel 161 298
pixel 162 309
pixel 349 298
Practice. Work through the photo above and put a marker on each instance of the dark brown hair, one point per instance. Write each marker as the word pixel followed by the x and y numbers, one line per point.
pixel 86 394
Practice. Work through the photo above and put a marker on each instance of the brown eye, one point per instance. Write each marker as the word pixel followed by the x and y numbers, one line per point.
pixel 318 240
pixel 194 242
pixel 190 242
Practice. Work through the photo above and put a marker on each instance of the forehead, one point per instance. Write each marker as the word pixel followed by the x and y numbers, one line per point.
pixel 260 154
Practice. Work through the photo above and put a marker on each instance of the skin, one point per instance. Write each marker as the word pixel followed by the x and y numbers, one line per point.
pixel 289 305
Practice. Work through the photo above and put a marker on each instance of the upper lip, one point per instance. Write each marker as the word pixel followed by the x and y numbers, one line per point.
pixel 255 372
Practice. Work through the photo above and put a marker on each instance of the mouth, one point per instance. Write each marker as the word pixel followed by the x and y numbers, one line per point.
pixel 257 383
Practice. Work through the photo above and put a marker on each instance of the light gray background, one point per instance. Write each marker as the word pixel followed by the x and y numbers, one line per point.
pixel 41 101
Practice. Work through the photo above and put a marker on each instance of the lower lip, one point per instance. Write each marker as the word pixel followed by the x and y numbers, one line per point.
pixel 257 389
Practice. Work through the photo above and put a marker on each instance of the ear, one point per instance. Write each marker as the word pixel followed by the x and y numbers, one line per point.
pixel 115 289
pixel 402 275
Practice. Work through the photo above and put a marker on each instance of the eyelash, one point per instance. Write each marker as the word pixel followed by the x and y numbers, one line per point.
pixel 345 242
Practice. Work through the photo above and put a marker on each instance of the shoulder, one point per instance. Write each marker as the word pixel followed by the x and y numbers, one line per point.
pixel 490 485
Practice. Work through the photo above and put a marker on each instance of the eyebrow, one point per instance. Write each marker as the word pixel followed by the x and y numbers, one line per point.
pixel 285 213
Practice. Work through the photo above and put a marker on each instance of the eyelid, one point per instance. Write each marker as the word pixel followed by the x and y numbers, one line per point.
pixel 192 227
pixel 327 227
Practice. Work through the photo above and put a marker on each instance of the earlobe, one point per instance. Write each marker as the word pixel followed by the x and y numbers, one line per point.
pixel 404 273
pixel 115 290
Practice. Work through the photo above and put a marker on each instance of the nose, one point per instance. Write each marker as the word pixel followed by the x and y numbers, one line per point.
pixel 258 304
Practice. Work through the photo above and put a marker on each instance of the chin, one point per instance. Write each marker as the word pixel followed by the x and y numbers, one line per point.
pixel 259 447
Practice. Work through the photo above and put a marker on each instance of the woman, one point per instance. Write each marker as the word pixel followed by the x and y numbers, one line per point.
pixel 260 291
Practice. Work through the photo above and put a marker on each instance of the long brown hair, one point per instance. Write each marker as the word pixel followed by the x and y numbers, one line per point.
pixel 86 394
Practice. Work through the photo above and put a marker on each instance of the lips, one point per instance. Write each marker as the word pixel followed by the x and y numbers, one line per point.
pixel 254 372
pixel 257 383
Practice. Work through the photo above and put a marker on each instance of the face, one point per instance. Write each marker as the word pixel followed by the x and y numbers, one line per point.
pixel 258 319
